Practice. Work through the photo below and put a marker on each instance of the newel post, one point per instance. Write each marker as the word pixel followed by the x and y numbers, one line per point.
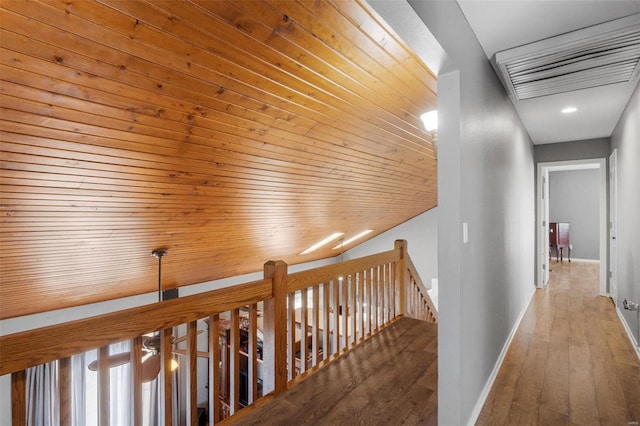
pixel 401 274
pixel 275 329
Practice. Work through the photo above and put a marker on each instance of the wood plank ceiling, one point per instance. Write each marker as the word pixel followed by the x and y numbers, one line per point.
pixel 229 132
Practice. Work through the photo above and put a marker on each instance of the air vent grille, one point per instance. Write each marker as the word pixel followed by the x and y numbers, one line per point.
pixel 604 54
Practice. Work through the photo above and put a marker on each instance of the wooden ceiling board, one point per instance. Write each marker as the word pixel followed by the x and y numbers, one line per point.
pixel 229 132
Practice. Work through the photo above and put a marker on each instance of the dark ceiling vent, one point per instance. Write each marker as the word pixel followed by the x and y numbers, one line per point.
pixel 603 54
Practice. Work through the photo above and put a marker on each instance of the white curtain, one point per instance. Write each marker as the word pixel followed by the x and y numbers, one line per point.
pixel 79 370
pixel 150 403
pixel 42 395
pixel 120 388
pixel 85 389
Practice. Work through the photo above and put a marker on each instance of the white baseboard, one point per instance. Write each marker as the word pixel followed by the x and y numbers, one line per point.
pixel 496 368
pixel 630 335
pixel 577 259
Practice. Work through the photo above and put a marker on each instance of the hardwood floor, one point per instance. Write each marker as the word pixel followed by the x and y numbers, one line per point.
pixel 570 362
pixel 390 379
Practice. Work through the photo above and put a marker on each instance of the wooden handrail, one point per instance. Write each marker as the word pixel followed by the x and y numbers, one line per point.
pixel 304 279
pixel 414 273
pixel 359 298
pixel 34 347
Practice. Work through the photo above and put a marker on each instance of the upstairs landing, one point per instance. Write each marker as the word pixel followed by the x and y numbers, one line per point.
pixel 389 379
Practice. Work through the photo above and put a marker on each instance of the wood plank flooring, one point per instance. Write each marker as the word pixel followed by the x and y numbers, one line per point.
pixel 390 379
pixel 570 362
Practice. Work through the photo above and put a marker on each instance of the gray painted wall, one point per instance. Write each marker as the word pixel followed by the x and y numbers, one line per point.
pixel 576 150
pixel 486 179
pixel 574 197
pixel 626 139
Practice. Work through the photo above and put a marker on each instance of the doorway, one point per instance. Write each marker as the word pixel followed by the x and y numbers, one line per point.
pixel 542 220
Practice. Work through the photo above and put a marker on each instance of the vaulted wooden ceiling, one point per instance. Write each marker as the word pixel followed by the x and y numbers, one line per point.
pixel 229 132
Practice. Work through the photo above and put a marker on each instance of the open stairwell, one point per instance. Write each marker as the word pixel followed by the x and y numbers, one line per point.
pixel 362 333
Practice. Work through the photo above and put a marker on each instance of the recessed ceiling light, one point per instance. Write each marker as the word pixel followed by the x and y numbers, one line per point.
pixel 323 242
pixel 352 239
pixel 569 110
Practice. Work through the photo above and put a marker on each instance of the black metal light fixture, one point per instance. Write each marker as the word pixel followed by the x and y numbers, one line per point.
pixel 158 254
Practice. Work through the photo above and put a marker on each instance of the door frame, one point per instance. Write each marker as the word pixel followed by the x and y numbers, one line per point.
pixel 543 169
pixel 543 222
pixel 613 226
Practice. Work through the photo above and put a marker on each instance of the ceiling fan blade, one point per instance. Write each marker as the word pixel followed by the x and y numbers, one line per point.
pixel 150 368
pixel 112 360
pixel 183 352
pixel 183 338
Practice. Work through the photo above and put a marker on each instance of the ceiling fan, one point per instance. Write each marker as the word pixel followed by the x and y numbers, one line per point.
pixel 151 344
pixel 151 360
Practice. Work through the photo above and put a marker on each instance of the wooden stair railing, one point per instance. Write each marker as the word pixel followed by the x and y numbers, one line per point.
pixel 419 303
pixel 309 318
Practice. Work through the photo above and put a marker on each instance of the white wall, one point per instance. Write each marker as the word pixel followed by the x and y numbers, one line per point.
pixel 626 139
pixel 421 234
pixel 486 179
pixel 574 197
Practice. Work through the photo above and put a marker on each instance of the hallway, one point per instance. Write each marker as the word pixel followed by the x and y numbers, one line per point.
pixel 570 361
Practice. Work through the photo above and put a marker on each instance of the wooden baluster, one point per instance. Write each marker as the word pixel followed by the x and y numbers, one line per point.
pixel 425 310
pixel 390 299
pixel 374 285
pixel 326 321
pixel 19 398
pixel 291 335
pixel 103 386
pixel 369 295
pixel 64 391
pixel 336 313
pixel 214 370
pixel 392 284
pixel 392 291
pixel 361 303
pixel 224 357
pixel 418 299
pixel 252 374
pixel 166 378
pixel 401 273
pixel 192 373
pixel 303 330
pixel 352 308
pixel 380 295
pixel 234 364
pixel 409 304
pixel 383 294
pixel 414 298
pixel 315 325
pixel 275 330
pixel 344 284
pixel 136 381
